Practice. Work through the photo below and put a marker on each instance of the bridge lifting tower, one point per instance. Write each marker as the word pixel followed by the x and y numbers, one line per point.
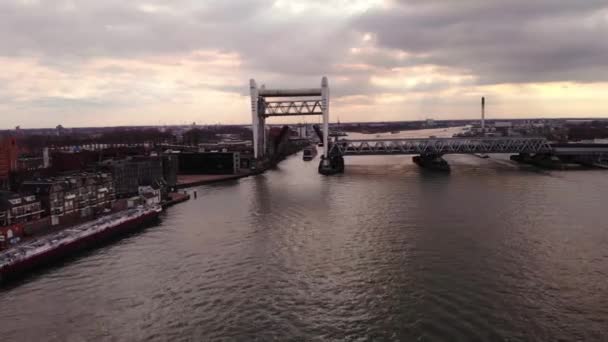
pixel 267 103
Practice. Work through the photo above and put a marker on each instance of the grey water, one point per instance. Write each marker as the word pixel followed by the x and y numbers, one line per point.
pixel 492 251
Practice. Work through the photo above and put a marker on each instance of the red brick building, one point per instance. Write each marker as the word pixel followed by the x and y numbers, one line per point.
pixel 10 234
pixel 8 159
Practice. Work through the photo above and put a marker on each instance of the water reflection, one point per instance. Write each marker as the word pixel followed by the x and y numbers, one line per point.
pixel 383 252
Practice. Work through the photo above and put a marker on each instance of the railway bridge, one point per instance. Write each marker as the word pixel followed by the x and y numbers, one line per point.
pixel 429 151
pixel 268 103
pixel 441 146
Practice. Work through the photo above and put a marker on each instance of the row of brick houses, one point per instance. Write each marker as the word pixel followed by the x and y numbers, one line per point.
pixel 45 202
pixel 44 198
pixel 83 194
pixel 15 211
pixel 17 208
pixel 72 197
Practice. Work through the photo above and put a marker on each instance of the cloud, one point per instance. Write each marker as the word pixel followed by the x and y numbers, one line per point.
pixel 190 60
pixel 514 41
pixel 268 37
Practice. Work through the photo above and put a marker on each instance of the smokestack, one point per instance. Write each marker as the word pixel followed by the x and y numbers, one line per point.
pixel 483 114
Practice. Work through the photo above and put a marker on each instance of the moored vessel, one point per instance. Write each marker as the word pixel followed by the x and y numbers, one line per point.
pixel 17 260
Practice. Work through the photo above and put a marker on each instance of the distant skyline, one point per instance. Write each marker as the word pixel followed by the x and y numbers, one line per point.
pixel 111 63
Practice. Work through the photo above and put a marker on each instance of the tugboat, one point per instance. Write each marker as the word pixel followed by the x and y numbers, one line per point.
pixel 309 152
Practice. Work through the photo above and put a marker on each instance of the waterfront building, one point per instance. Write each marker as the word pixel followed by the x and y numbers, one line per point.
pixel 16 208
pixel 209 163
pixel 170 164
pixel 132 172
pixel 70 198
pixel 8 160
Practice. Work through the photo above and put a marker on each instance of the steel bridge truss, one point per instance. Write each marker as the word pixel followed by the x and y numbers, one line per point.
pixel 440 146
pixel 289 108
pixel 286 102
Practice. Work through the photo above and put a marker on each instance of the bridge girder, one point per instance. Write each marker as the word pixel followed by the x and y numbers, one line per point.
pixel 440 146
pixel 290 108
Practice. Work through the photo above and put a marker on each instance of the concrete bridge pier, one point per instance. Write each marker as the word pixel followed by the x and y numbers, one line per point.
pixel 433 162
pixel 542 160
pixel 523 158
pixel 332 165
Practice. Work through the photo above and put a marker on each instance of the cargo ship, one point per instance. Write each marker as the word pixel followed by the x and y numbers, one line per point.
pixel 17 260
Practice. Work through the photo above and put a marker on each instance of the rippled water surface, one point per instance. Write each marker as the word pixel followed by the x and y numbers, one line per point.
pixel 492 251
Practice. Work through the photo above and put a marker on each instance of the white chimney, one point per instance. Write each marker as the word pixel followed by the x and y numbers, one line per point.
pixel 483 114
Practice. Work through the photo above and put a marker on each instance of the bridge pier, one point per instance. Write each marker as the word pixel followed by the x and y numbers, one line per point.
pixel 542 160
pixel 331 165
pixel 433 162
pixel 523 158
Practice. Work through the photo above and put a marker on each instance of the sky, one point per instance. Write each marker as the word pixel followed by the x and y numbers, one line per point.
pixel 152 62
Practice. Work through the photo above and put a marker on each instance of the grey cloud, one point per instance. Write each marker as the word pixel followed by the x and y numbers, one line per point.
pixel 120 29
pixel 88 29
pixel 497 41
pixel 62 102
pixel 287 51
pixel 500 41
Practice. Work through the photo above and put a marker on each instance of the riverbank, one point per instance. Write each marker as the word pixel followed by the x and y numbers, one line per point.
pixel 175 198
pixel 415 236
pixel 40 232
pixel 188 181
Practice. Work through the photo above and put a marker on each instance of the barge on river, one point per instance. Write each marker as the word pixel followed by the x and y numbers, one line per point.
pixel 16 260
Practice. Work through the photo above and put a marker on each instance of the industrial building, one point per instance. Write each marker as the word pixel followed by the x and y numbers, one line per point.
pixel 132 172
pixel 221 163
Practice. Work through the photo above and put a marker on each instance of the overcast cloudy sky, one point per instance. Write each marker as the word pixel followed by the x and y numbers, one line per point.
pixel 117 62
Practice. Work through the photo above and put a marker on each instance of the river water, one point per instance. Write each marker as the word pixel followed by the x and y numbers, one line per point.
pixel 492 251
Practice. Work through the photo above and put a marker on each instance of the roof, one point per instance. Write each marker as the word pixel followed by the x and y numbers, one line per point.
pixel 5 197
pixel 44 185
pixel 8 194
pixel 36 187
